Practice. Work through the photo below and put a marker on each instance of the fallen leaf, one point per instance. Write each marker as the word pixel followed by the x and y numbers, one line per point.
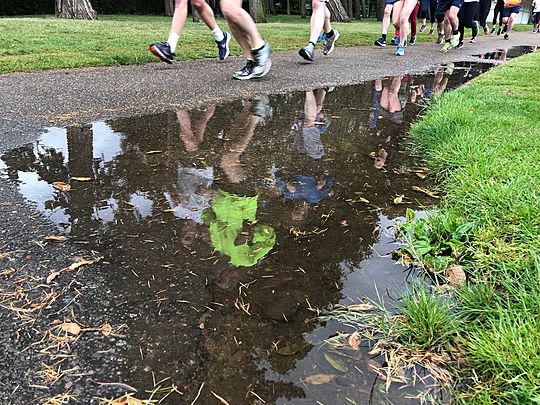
pixel 52 276
pixel 81 262
pixel 336 363
pixel 425 191
pixel 406 258
pixel 82 178
pixel 354 340
pixel 71 328
pixel 398 199
pixel 220 399
pixel 456 276
pixel 421 175
pixel 106 329
pixel 360 307
pixel 61 186
pixel 364 200
pixel 344 223
pixel 56 237
pixel 153 152
pixel 127 400
pixel 318 379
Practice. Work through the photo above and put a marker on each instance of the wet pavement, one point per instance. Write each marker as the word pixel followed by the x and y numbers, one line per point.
pixel 221 233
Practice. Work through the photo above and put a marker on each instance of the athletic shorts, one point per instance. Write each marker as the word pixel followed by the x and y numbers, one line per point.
pixel 444 5
pixel 511 10
pixel 536 17
pixel 390 1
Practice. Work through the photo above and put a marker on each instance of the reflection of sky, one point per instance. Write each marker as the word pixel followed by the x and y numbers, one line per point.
pixel 53 138
pixel 107 211
pixel 39 192
pixel 107 143
pixel 142 205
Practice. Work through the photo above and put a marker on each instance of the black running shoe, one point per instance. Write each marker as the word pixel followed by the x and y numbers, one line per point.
pixel 163 51
pixel 223 46
pixel 459 45
pixel 246 72
pixel 307 53
pixel 505 36
pixel 380 42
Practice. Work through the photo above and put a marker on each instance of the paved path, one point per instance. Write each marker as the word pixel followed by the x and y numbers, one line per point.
pixel 31 101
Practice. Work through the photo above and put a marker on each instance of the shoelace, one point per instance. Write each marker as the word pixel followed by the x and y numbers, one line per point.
pixel 248 67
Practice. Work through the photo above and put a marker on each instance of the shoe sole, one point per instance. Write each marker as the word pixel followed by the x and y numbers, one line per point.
pixel 380 44
pixel 256 76
pixel 305 54
pixel 227 47
pixel 329 51
pixel 155 50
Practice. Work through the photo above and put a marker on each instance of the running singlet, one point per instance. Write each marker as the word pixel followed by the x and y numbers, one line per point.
pixel 512 3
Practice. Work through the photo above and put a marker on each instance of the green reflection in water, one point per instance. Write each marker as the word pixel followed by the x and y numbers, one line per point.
pixel 226 221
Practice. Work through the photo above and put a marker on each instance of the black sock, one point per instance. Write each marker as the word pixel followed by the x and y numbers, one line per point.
pixel 312 43
pixel 384 36
pixel 447 40
pixel 455 32
pixel 258 49
pixel 329 34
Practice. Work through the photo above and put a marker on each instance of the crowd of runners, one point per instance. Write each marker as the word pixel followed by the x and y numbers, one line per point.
pixel 450 17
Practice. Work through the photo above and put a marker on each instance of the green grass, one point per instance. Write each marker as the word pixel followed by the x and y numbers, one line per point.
pixel 482 143
pixel 39 43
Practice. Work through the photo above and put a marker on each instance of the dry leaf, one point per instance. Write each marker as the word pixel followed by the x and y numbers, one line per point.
pixel 220 399
pixel 56 237
pixel 52 276
pixel 318 379
pixel 456 276
pixel 81 262
pixel 82 178
pixel 398 199
pixel 354 340
pixel 360 307
pixel 153 152
pixel 425 191
pixel 421 175
pixel 406 259
pixel 336 363
pixel 364 200
pixel 127 400
pixel 61 186
pixel 71 328
pixel 106 329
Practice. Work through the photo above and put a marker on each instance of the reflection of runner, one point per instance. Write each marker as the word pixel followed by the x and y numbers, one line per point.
pixel 315 124
pixel 320 20
pixel 304 191
pixel 388 98
pixel 165 50
pixel 192 127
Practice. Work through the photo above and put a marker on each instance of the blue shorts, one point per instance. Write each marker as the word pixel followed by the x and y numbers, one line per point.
pixel 390 1
pixel 536 17
pixel 511 10
pixel 444 5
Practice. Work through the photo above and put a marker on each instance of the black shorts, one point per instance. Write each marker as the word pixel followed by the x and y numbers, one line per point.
pixel 444 5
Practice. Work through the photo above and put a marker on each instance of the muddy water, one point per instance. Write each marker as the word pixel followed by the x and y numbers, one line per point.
pixel 227 228
pixel 505 54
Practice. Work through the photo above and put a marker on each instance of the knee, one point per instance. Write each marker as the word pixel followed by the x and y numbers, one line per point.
pixel 387 12
pixel 198 4
pixel 227 8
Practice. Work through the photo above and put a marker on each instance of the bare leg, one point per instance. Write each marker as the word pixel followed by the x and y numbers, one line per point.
pixel 406 10
pixel 206 13
pixel 317 20
pixel 242 25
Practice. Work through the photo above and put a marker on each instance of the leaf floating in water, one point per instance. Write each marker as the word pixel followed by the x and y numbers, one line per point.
pixel 456 276
pixel 59 185
pixel 336 363
pixel 425 191
pixel 398 199
pixel 355 340
pixel 127 400
pixel 318 379
pixel 291 349
pixel 360 307
pixel 82 178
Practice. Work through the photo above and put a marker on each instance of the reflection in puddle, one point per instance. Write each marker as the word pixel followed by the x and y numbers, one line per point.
pixel 505 54
pixel 227 229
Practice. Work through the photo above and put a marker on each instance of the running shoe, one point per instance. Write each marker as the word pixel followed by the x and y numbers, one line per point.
pixel 380 42
pixel 322 37
pixel 262 61
pixel 246 72
pixel 307 52
pixel 504 29
pixel 163 51
pixel 423 28
pixel 499 31
pixel 223 46
pixel 413 40
pixel 440 38
pixel 454 40
pixel 446 47
pixel 505 36
pixel 473 40
pixel 329 43
pixel 431 31
pixel 459 45
pixel 394 41
pixel 400 51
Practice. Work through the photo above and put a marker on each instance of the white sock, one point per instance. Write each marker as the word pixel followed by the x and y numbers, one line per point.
pixel 218 34
pixel 173 40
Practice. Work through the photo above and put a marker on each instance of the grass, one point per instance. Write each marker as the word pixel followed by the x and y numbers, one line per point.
pixel 482 142
pixel 39 43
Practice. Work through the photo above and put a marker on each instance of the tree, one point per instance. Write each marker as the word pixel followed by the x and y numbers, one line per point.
pixel 169 7
pixel 337 11
pixel 75 9
pixel 256 10
pixel 303 9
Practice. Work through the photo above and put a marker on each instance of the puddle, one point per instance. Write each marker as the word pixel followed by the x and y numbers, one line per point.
pixel 225 228
pixel 505 54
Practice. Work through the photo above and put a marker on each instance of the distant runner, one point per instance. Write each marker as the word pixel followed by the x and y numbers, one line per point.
pixel 509 14
pixel 450 10
pixel 320 20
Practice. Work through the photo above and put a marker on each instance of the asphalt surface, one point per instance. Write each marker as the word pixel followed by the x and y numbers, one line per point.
pixel 30 102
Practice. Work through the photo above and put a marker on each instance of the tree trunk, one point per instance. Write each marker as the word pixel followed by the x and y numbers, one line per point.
pixel 358 9
pixel 349 7
pixel 303 9
pixel 256 10
pixel 75 9
pixel 380 9
pixel 195 16
pixel 288 7
pixel 337 11
pixel 269 8
pixel 169 8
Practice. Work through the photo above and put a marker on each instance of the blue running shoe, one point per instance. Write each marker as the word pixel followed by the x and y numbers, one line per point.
pixel 400 51
pixel 394 41
pixel 223 46
pixel 163 51
pixel 322 37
